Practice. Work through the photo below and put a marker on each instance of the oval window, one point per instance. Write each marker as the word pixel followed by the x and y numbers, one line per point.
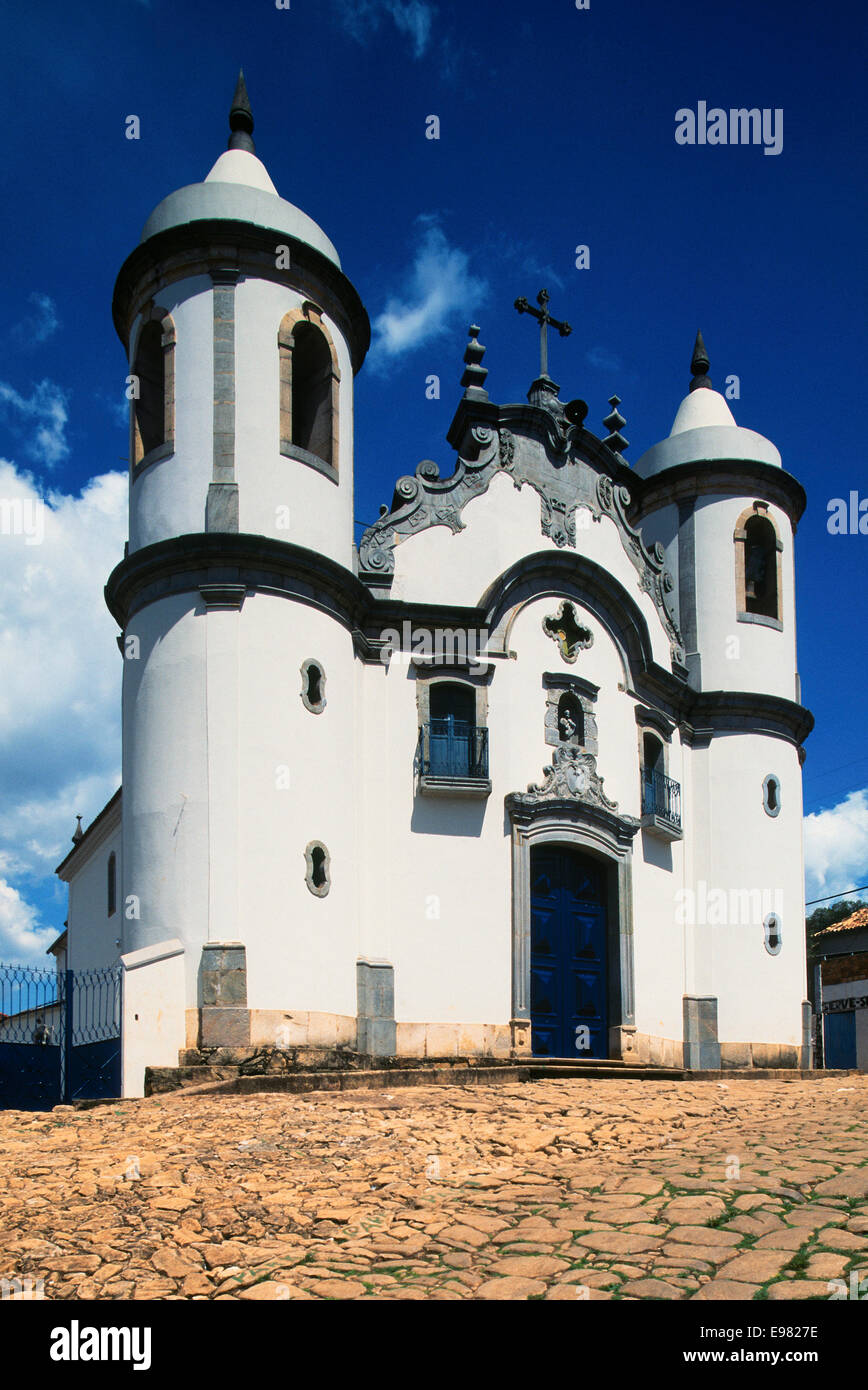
pixel 317 877
pixel 772 928
pixel 771 795
pixel 313 686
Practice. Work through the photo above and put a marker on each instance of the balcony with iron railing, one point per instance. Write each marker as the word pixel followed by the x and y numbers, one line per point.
pixel 452 758
pixel 661 804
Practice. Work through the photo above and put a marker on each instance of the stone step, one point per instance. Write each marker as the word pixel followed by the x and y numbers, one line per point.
pixel 255 1072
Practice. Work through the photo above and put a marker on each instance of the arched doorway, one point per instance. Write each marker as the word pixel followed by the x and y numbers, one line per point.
pixel 568 953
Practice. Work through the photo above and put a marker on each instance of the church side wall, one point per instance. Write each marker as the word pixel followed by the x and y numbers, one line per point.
pixel 92 933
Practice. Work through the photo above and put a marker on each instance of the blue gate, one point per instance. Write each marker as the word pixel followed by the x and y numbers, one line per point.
pixel 839 1039
pixel 60 1036
pixel 568 989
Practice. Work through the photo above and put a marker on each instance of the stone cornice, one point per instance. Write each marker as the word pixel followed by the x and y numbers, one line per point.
pixel 733 477
pixel 524 809
pixel 183 564
pixel 711 712
pixel 196 248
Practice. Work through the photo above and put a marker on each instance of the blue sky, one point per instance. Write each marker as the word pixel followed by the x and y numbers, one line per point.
pixel 556 129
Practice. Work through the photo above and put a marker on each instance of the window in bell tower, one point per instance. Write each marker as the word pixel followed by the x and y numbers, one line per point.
pixel 153 389
pixel 758 568
pixel 309 380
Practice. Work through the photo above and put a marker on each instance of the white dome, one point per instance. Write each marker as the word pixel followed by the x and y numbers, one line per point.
pixel 699 408
pixel 239 166
pixel 705 431
pixel 238 189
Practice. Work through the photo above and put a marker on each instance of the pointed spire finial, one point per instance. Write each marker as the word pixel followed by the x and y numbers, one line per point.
pixel 699 365
pixel 241 118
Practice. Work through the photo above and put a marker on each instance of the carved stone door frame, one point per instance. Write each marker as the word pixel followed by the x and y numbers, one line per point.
pixel 603 836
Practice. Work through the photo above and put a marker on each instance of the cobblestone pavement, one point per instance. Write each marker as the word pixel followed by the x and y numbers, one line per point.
pixel 555 1190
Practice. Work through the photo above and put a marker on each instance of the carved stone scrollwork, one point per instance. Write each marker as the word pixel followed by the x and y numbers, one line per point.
pixel 558 521
pixel 506 449
pixel 560 460
pixel 571 774
pixel 649 560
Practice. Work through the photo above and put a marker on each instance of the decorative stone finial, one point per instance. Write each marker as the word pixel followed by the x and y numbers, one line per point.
pixel 474 376
pixel 78 833
pixel 241 119
pixel 699 365
pixel 614 423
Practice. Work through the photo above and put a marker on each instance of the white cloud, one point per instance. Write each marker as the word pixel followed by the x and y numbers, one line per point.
pixel 362 18
pixel 438 286
pixel 60 693
pixel 603 359
pixel 40 419
pixel 21 938
pixel 836 847
pixel 37 327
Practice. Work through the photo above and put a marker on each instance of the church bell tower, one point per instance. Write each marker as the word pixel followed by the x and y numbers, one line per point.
pixel 243 337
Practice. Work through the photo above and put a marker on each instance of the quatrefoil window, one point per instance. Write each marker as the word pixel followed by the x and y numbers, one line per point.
pixel 564 628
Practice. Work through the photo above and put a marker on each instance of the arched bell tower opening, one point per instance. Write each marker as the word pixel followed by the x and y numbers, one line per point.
pixel 309 391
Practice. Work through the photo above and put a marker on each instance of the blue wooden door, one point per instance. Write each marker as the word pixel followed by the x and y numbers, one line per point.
pixel 568 981
pixel 839 1039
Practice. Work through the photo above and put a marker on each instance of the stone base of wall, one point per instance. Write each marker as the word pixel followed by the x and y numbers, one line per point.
pixel 650 1051
pixel 279 1028
pixel 759 1055
pixel 454 1040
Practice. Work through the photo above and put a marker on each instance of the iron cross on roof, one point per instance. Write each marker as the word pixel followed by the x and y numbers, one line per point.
pixel 545 319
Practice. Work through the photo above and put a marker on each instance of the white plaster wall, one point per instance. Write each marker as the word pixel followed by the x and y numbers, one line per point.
pixel 168 497
pixel 153 1009
pixel 92 934
pixel 301 949
pixel 743 848
pixel 501 526
pixel 165 778
pixel 765 659
pixel 658 938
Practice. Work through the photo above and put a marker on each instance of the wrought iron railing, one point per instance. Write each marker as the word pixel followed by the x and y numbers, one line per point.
pixel 451 747
pixel 30 1001
pixel 661 796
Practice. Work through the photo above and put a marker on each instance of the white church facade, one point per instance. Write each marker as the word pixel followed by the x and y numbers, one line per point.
pixel 518 775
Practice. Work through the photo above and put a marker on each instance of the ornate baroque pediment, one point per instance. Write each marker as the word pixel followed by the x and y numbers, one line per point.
pixel 562 462
pixel 571 785
pixel 571 773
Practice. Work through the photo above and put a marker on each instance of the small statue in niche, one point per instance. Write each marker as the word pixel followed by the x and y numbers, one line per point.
pixel 570 721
